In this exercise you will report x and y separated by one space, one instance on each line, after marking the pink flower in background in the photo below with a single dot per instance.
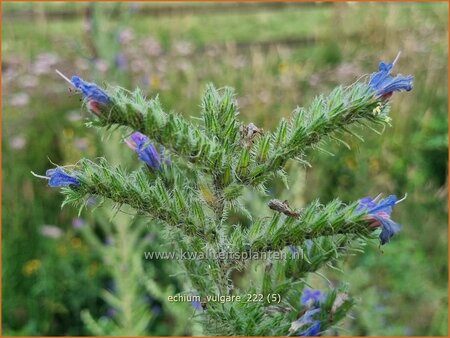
51 231
78 223
19 99
18 143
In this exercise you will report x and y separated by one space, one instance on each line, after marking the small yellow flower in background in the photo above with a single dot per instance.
55 307
374 165
351 163
92 269
283 67
155 82
76 243
68 133
62 250
31 267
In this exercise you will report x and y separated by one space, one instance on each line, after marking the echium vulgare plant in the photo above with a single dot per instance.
194 174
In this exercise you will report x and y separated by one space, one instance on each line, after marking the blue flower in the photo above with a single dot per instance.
384 84
146 151
59 178
310 297
90 91
156 309
78 223
307 320
312 331
111 312
197 305
380 213
121 61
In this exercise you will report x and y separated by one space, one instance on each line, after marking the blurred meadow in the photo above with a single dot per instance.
70 274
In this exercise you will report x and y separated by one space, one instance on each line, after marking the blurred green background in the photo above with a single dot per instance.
57 265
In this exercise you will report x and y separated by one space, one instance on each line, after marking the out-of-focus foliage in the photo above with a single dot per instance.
275 58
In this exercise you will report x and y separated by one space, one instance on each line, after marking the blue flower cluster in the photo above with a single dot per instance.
146 151
197 305
384 84
90 91
380 213
311 299
59 178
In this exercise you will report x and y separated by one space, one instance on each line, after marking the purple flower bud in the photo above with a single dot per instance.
146 151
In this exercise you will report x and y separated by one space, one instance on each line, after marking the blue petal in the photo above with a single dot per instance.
312 331
381 75
308 316
385 67
388 228
385 205
372 207
150 156
366 203
306 319
310 296
146 151
197 305
395 84
381 212
139 138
